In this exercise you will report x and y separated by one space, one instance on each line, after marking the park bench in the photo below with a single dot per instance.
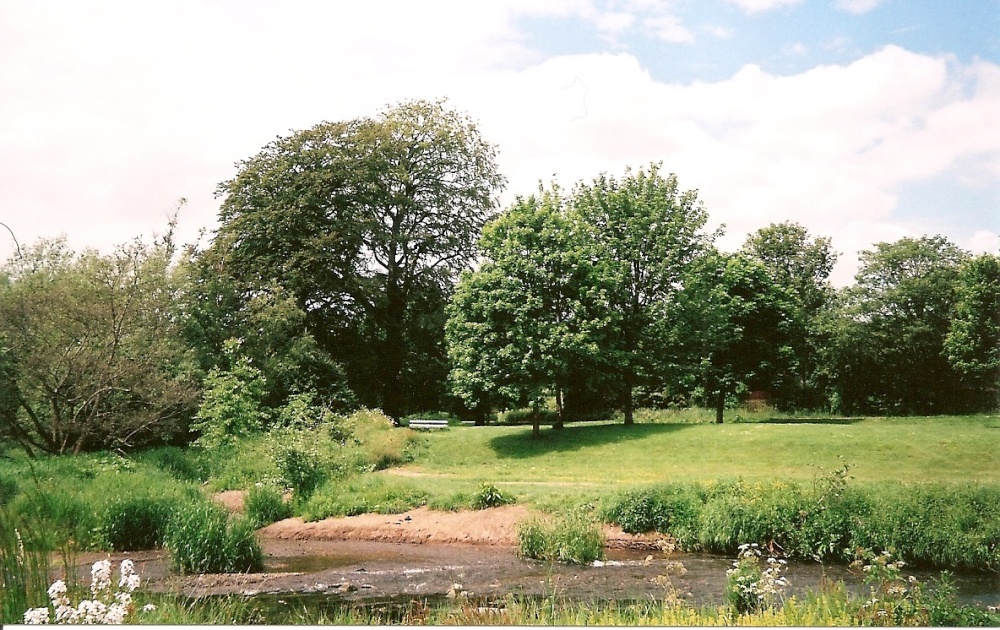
426 423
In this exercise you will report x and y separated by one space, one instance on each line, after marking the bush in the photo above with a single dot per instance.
264 505
576 537
489 496
300 466
202 539
136 522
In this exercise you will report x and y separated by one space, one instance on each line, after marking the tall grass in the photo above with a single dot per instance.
936 525
24 571
574 537
203 539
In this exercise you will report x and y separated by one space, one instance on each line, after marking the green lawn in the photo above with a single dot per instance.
593 459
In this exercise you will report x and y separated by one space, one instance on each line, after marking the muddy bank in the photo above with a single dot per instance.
429 554
492 527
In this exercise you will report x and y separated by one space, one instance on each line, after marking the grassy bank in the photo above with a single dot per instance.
930 483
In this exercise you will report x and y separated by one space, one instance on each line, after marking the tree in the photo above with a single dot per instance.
730 328
802 265
93 356
889 345
354 220
646 232
973 340
533 311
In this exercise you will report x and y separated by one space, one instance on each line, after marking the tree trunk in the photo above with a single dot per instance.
559 409
629 404
720 405
536 430
393 352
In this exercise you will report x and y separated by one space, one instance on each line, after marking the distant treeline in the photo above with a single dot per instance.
366 263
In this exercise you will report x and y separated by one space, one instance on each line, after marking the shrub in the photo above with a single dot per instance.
300 466
136 522
231 406
203 539
576 537
489 496
264 505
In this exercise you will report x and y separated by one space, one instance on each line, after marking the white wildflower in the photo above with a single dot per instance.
36 616
149 608
115 614
100 577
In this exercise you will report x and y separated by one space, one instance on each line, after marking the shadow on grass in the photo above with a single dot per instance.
811 421
574 437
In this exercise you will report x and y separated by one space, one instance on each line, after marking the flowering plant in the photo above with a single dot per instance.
751 588
104 607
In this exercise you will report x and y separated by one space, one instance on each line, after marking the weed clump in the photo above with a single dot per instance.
203 539
576 537
264 504
489 496
136 522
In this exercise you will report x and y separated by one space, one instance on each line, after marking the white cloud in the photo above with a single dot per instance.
111 112
668 28
858 7
722 32
760 6
984 242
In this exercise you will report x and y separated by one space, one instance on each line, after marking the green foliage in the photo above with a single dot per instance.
730 327
937 525
299 463
645 232
135 522
532 313
90 351
575 537
24 569
973 340
264 504
489 496
528 416
360 494
202 538
230 408
801 264
321 216
183 464
887 351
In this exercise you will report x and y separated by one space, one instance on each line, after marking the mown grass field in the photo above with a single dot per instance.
598 459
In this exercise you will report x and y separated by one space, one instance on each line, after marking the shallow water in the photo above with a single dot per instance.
351 571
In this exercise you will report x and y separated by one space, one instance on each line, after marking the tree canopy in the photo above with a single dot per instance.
645 232
534 310
360 221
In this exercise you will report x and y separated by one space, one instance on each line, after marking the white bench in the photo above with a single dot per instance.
424 423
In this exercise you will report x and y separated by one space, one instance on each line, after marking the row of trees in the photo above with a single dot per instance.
365 262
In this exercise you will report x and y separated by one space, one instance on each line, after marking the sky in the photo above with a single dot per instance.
863 120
